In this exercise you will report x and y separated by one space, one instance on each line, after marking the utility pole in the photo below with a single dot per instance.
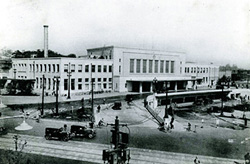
167 85
222 86
120 153
69 74
42 111
92 97
56 78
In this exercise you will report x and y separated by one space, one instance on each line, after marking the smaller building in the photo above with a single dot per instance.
5 66
206 74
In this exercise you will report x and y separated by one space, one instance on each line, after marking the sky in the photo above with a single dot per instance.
206 30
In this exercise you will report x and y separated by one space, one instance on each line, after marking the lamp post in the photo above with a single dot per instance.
14 73
69 74
167 85
222 87
42 95
155 81
57 80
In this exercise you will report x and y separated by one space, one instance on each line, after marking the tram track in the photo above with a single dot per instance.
92 152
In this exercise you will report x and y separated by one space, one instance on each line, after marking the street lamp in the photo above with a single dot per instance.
57 80
155 81
14 73
69 74
222 87
167 86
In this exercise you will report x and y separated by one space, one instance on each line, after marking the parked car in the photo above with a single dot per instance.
55 133
117 105
82 131
3 131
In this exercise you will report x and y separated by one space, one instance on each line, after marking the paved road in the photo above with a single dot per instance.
92 152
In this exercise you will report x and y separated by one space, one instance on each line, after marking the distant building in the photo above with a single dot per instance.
115 69
205 74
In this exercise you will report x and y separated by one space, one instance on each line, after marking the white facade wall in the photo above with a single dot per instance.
35 68
207 73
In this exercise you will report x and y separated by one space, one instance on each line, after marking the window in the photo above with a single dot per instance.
45 68
49 67
104 68
41 68
93 80
57 68
156 66
167 67
36 82
110 79
72 84
79 86
104 79
54 68
138 65
86 68
172 66
86 86
93 68
144 66
120 69
120 60
66 67
194 69
161 66
150 67
73 67
86 80
110 68
79 80
65 84
79 68
99 68
132 62
207 70
49 83
99 79
105 86
36 67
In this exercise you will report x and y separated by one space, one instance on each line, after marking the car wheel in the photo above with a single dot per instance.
90 136
65 138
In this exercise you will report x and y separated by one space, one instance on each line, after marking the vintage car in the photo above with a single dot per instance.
55 133
82 131
3 131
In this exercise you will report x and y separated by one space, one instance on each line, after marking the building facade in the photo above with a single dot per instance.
74 74
205 74
114 69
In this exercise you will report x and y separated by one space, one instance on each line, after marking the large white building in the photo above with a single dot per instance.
114 69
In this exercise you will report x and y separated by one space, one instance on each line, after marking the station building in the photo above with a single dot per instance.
116 69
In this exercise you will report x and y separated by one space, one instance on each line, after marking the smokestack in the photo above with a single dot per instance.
45 40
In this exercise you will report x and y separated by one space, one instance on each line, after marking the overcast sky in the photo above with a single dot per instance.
207 30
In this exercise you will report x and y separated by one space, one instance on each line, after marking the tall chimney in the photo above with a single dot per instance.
45 40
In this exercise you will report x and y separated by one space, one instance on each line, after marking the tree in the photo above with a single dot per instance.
5 53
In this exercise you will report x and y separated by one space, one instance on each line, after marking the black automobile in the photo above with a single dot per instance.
3 131
55 133
82 131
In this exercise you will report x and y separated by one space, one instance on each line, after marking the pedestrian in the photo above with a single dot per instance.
98 109
196 160
189 127
247 158
104 101
171 123
217 123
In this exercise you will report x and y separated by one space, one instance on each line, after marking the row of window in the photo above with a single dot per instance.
151 66
94 68
194 69
52 83
44 68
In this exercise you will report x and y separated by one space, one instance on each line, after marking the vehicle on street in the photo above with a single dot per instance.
82 131
3 131
56 133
